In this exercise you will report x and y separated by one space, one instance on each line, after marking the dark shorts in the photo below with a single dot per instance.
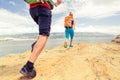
42 16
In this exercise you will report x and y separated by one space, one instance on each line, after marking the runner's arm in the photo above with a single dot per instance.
58 2
74 24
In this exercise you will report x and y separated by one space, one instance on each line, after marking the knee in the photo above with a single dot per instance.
44 32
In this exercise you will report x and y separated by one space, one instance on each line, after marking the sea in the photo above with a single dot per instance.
19 43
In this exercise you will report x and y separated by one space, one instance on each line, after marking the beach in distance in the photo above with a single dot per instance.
19 43
84 61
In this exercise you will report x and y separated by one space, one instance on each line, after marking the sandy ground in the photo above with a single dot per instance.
82 62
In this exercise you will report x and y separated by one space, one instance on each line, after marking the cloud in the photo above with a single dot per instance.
12 23
95 9
60 9
58 26
12 3
102 29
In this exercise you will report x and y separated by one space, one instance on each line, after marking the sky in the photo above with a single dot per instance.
90 15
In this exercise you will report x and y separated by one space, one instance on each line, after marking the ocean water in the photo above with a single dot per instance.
20 43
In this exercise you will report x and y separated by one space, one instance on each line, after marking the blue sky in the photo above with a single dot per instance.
90 15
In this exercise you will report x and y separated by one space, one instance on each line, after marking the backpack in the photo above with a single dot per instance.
69 21
50 2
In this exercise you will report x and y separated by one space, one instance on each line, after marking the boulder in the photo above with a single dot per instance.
117 39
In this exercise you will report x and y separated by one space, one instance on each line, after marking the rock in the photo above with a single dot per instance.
117 39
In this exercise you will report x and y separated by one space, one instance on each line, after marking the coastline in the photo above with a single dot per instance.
19 43
84 61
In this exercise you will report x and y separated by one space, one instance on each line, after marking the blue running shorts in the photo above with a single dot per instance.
69 32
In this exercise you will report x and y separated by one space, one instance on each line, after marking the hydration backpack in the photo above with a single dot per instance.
50 2
69 21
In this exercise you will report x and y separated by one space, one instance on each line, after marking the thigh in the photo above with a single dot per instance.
33 13
44 21
71 33
67 33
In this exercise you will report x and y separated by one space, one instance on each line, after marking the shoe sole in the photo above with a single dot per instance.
29 75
